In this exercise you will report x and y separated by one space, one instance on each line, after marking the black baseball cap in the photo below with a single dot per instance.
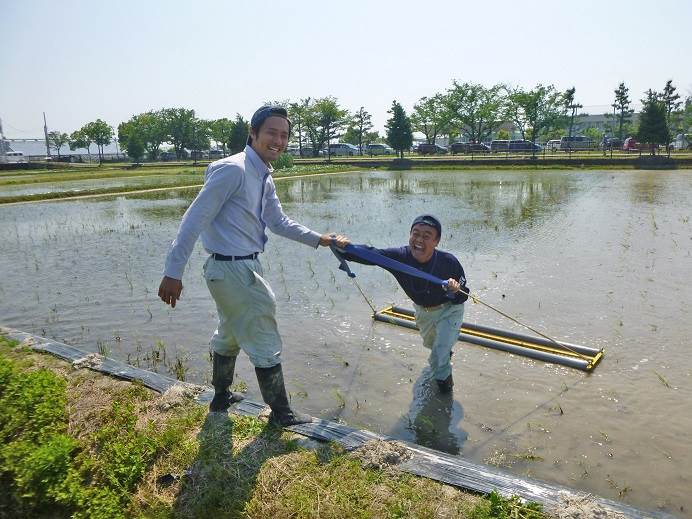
428 219
265 112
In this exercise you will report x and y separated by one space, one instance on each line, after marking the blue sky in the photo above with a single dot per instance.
79 61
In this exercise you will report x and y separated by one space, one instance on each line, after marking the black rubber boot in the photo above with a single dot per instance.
446 384
221 379
271 383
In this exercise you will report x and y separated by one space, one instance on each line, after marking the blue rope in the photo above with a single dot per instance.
366 254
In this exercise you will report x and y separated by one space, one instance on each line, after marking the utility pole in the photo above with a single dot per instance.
45 133
3 157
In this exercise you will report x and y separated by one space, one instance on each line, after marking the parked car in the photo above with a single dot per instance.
630 144
431 149
469 147
308 152
682 142
613 143
215 154
15 157
524 146
552 145
378 149
343 149
499 145
61 158
167 155
576 143
294 150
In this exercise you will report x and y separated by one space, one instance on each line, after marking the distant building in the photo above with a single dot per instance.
601 122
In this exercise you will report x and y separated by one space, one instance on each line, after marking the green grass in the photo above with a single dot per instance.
80 444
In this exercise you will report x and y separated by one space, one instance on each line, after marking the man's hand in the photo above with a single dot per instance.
170 290
453 286
327 239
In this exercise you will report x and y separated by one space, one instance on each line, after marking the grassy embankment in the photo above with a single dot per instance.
81 444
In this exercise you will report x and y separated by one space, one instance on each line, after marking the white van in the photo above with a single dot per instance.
682 142
576 142
552 145
15 157
343 149
378 149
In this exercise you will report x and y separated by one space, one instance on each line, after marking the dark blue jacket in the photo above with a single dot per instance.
424 293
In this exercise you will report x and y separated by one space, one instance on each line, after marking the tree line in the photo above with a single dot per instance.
468 111
476 113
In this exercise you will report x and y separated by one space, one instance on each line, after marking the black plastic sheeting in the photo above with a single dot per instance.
425 462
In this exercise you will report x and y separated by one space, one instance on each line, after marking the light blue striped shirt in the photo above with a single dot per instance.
231 211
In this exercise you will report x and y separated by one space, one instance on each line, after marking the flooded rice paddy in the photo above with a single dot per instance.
133 183
600 258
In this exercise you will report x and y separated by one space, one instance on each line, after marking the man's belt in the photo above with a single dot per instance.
221 257
431 308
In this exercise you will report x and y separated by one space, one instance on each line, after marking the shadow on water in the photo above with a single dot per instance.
433 418
221 479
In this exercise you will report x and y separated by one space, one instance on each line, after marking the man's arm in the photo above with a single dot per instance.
218 186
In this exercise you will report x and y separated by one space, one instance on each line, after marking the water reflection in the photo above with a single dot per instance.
512 200
433 417
647 190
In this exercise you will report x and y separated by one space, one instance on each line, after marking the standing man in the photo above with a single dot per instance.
438 316
231 212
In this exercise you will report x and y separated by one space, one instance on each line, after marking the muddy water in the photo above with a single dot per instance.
601 258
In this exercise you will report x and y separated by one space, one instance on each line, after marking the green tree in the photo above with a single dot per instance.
371 137
200 138
430 117
594 134
220 131
503 134
127 131
671 101
475 110
537 111
239 134
57 140
361 124
298 112
135 148
571 107
399 132
152 130
78 140
100 133
324 121
180 126
621 108
653 126
687 116
149 128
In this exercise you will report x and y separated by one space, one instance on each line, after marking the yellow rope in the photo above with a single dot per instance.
477 299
